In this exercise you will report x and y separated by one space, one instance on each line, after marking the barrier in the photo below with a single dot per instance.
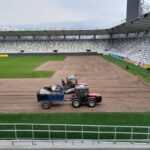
102 133
127 59
54 54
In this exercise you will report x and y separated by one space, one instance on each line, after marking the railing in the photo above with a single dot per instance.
74 132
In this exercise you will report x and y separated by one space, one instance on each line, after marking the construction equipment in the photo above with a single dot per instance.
71 83
83 96
55 94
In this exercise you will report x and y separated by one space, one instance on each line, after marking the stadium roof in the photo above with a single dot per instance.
135 26
53 32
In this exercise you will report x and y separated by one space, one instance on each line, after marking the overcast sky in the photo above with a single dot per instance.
63 13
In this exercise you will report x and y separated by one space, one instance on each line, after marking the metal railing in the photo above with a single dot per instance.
102 133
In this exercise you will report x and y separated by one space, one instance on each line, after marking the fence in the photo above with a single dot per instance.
74 132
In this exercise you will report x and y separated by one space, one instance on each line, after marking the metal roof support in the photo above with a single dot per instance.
94 36
19 37
49 37
64 37
34 37
149 32
110 36
146 33
4 37
137 34
127 35
79 36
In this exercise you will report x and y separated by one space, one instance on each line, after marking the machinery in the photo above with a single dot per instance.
71 83
55 95
50 95
83 96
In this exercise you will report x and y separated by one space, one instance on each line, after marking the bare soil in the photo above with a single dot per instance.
121 91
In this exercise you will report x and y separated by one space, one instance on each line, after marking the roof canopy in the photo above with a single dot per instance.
53 33
135 26
138 25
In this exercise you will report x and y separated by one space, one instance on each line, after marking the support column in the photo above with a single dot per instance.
79 36
49 37
19 37
34 37
110 36
146 33
4 37
127 34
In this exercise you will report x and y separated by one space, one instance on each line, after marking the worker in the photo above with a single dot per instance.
63 82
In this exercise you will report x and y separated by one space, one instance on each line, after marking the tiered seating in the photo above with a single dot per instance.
50 46
135 49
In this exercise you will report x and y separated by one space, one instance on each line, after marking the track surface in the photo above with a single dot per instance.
121 91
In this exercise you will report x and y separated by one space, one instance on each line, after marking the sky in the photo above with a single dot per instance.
62 13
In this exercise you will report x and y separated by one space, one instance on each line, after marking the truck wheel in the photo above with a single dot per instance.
91 103
45 105
76 103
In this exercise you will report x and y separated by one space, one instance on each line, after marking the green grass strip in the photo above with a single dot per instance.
140 72
133 119
24 66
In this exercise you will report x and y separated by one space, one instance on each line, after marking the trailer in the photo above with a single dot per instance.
50 95
55 95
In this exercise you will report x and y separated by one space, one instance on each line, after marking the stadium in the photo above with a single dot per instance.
114 62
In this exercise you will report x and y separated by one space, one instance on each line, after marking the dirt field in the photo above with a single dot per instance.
121 91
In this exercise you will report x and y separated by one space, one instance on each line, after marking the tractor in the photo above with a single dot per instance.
83 96
70 84
55 95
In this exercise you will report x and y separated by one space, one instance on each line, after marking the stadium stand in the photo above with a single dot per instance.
137 49
73 46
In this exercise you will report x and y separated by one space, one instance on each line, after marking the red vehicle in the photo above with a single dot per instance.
71 83
83 96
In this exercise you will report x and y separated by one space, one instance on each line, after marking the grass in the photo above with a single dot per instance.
130 119
133 119
23 66
141 73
